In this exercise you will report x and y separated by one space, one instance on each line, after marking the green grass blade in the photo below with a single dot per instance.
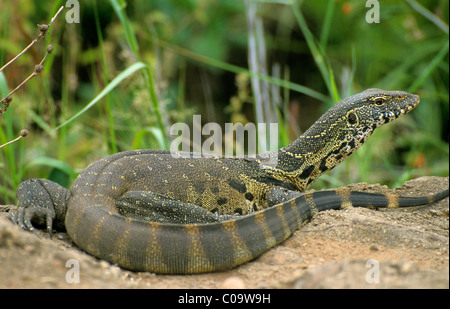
428 15
40 122
315 49
239 70
429 69
112 145
326 24
155 132
116 81
118 6
3 85
128 29
352 73
288 2
46 161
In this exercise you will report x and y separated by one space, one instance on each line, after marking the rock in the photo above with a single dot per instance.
233 282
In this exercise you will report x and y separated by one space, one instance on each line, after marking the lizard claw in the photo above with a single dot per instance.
23 216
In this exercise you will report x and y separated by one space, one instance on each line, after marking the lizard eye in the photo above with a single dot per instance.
379 101
352 118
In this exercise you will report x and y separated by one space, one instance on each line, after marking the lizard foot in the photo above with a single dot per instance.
23 215
40 202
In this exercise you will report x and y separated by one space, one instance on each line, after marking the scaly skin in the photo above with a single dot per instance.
151 210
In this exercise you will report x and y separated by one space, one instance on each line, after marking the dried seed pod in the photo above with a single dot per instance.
38 68
43 28
24 133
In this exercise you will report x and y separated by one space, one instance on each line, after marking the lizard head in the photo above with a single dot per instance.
356 118
373 108
340 132
350 122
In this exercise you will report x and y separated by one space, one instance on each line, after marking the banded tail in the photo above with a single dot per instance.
197 248
341 198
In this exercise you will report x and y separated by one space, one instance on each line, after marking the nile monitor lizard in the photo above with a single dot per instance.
152 210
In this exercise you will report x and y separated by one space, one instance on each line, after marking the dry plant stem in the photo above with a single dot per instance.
43 30
23 133
37 69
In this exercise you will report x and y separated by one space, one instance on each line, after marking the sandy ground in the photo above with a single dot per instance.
351 248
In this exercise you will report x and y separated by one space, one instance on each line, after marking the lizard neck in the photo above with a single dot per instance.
328 142
312 150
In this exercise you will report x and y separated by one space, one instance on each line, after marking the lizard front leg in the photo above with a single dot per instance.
152 207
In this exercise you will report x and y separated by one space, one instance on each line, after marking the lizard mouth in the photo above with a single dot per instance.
389 116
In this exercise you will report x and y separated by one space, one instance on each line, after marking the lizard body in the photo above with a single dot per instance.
174 213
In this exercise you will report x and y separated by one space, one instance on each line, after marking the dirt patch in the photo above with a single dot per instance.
351 248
